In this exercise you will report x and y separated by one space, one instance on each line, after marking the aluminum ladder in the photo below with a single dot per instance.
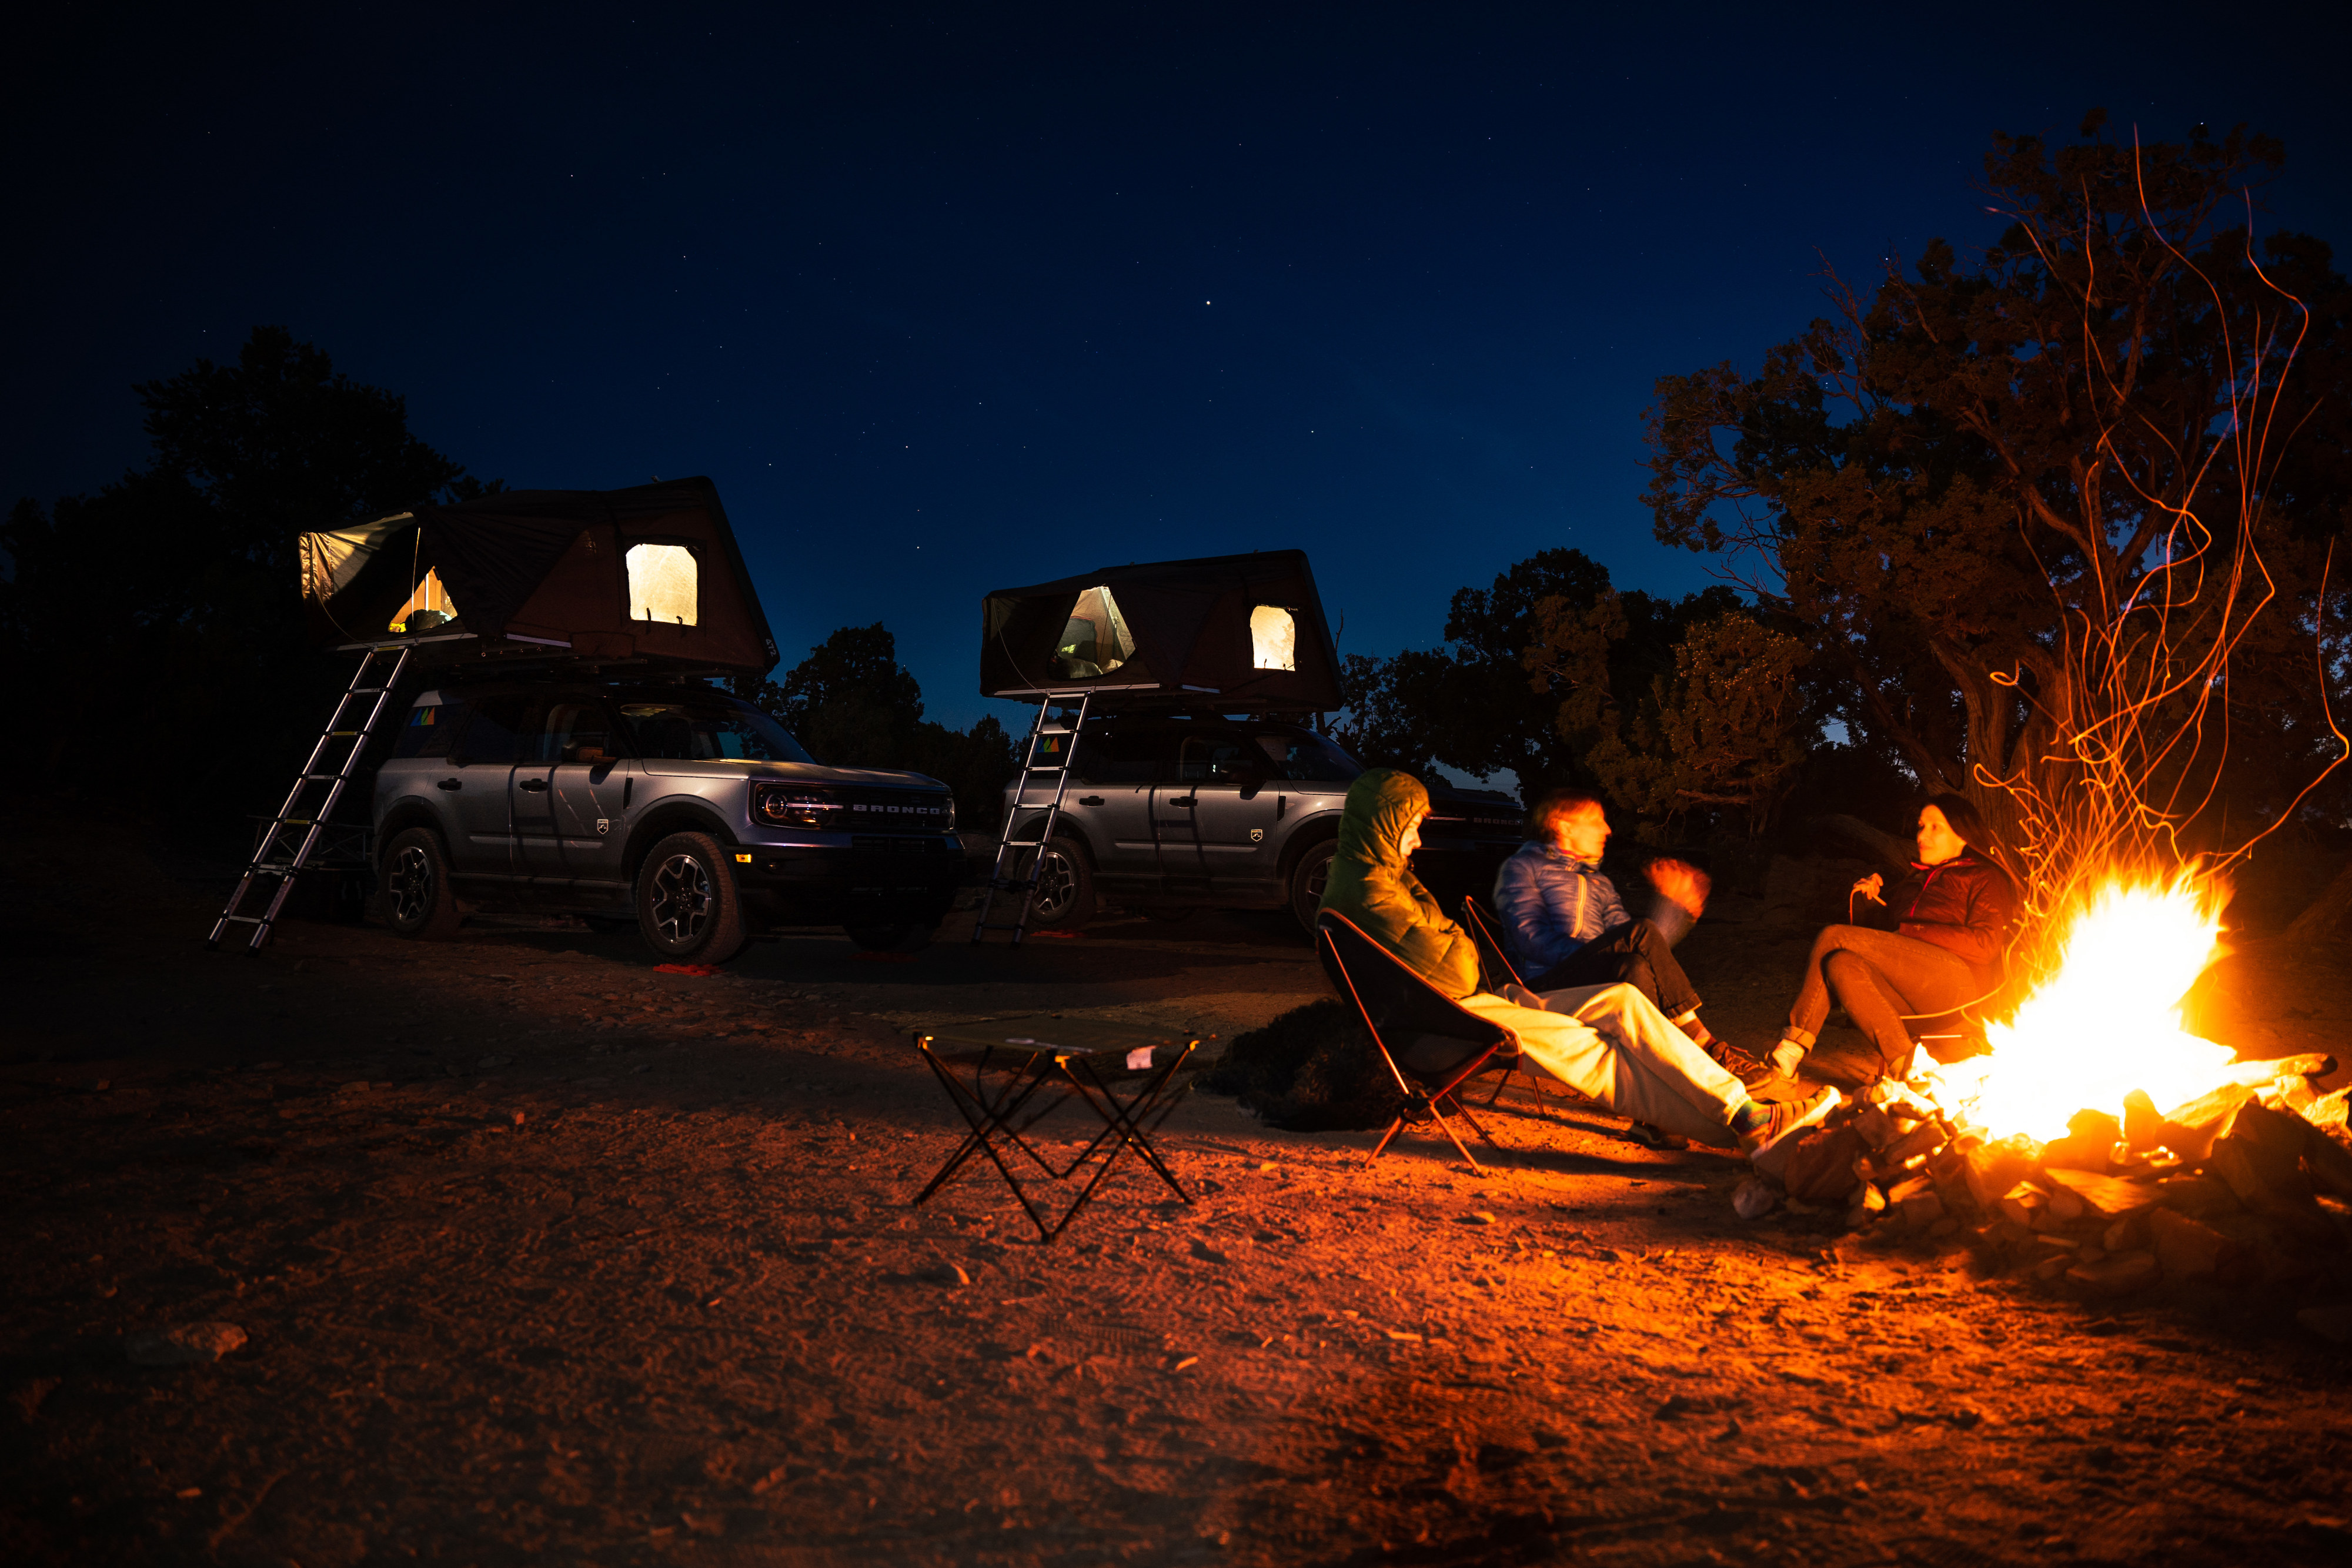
292 836
1052 740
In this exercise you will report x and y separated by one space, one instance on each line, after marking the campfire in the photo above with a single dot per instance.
2098 1143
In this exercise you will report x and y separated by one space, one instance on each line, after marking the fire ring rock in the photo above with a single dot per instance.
184 1344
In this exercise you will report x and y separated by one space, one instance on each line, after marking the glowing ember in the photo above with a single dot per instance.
2108 1023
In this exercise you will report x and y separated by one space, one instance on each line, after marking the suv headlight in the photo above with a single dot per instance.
796 806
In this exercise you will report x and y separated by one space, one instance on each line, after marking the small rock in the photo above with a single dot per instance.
1482 1218
518 1118
952 1273
184 1344
1754 1198
102 1086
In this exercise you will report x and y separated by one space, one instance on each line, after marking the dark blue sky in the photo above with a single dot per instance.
948 299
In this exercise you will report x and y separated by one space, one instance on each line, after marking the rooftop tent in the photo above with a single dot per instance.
646 576
1247 629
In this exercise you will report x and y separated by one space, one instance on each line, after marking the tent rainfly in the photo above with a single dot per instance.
1234 632
647 576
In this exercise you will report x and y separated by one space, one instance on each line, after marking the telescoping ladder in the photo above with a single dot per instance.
293 835
1052 741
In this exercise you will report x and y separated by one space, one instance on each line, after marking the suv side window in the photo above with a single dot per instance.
1121 757
1308 759
1218 756
572 732
430 728
490 735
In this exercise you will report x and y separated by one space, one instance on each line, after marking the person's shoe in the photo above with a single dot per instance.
1788 1117
1651 1137
1787 1057
1734 1060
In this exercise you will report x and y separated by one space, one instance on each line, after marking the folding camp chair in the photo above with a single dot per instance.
1432 1045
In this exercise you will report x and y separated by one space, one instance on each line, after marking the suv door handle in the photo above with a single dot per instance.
536 786
1180 801
449 783
1089 799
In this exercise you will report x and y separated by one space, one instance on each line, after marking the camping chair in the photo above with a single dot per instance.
1432 1045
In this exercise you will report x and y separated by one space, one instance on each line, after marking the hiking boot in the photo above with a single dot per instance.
1734 1060
1788 1117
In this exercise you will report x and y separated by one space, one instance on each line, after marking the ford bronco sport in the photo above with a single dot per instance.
676 808
1167 814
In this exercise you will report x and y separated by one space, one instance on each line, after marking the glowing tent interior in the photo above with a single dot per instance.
1240 631
647 577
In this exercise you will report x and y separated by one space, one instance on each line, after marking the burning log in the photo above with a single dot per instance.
2221 1187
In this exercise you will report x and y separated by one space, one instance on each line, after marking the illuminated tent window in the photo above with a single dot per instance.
663 584
1274 638
426 607
1096 641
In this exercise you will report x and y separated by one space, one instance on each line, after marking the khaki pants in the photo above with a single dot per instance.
1612 1045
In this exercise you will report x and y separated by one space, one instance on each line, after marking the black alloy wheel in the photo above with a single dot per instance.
1308 879
687 903
418 902
1064 898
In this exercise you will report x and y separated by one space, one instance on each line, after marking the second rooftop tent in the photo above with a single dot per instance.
1246 630
648 576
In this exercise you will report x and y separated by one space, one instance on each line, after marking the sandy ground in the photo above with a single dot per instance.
543 1256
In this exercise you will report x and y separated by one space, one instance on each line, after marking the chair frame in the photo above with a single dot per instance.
1495 962
1412 1084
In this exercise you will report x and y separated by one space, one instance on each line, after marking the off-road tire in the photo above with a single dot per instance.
1064 898
906 937
688 908
418 902
1306 880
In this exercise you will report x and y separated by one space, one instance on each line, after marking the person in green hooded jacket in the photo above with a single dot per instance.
1608 1042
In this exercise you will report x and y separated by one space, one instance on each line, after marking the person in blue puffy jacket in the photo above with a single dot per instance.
1566 926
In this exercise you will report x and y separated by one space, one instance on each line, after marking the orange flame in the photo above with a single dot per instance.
2108 1022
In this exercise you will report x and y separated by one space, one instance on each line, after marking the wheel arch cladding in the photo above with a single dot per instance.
660 824
404 816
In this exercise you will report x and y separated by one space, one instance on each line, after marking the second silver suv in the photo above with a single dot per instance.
1167 814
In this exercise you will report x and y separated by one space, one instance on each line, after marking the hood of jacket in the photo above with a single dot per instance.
1371 882
1381 804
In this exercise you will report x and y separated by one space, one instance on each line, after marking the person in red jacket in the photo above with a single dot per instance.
1951 919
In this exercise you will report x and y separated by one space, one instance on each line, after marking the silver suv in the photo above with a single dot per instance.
1168 814
675 808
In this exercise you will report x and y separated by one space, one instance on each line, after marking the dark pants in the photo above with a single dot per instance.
1637 953
1878 978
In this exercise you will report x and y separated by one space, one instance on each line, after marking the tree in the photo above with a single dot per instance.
1721 732
2056 519
165 606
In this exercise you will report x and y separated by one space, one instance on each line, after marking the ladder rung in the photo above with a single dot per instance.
326 776
341 734
244 920
366 691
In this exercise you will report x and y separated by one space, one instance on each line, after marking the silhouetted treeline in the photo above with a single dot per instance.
151 636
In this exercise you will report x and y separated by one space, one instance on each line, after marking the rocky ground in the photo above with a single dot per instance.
541 1255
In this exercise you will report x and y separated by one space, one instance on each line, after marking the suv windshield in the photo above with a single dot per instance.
1307 758
703 730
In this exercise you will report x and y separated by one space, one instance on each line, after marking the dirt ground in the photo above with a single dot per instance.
543 1256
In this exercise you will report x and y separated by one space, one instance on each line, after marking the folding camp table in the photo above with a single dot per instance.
1006 1075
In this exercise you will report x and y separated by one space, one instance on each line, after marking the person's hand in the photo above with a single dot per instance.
1684 883
1869 887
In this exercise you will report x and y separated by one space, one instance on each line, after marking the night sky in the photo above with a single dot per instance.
948 299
